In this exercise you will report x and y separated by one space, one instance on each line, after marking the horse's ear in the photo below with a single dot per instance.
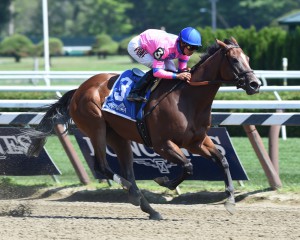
221 44
233 40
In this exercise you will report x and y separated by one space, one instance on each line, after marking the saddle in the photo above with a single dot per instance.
117 103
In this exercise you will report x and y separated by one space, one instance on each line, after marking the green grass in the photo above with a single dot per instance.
288 163
289 170
87 63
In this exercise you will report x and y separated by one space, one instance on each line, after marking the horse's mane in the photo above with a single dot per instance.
209 52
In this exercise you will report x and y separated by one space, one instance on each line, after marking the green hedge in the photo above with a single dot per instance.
265 47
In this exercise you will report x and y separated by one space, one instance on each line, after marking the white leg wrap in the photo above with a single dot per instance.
117 179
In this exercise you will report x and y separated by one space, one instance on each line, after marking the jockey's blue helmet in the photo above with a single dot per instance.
190 36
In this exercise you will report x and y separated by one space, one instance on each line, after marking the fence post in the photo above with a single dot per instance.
69 149
263 156
274 146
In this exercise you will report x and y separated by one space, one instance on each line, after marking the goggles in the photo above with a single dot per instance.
192 47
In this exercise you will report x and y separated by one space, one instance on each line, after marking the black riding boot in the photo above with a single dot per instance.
137 93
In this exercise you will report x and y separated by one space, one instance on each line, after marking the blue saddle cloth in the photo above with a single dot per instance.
116 101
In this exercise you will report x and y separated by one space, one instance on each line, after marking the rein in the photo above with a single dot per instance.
203 83
162 98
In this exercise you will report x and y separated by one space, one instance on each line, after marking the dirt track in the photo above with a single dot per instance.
87 215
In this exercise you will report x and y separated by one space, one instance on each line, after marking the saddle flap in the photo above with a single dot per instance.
116 102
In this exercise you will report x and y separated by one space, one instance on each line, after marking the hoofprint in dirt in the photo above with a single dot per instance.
266 215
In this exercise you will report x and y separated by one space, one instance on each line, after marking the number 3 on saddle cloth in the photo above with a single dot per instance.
117 103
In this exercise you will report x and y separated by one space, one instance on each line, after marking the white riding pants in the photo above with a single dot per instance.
142 56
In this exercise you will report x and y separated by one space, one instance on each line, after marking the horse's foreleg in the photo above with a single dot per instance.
173 153
145 206
230 203
209 151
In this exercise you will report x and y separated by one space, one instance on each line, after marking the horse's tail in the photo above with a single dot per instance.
57 112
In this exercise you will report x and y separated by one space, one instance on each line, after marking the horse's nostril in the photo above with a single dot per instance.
254 85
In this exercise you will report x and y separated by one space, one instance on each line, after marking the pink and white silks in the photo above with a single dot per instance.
157 49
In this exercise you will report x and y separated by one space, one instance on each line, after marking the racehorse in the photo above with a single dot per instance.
177 115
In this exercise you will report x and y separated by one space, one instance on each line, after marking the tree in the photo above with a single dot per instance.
172 15
105 45
83 18
4 13
122 18
176 14
59 18
123 44
107 16
258 13
17 46
55 47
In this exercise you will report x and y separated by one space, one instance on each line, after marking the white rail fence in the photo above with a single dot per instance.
217 104
65 88
83 75
218 118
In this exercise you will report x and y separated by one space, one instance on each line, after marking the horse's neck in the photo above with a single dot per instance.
194 102
209 70
202 96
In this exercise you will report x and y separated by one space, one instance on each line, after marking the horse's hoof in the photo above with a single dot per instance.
230 207
155 216
161 180
164 182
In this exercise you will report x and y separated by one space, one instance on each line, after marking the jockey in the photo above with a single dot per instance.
157 49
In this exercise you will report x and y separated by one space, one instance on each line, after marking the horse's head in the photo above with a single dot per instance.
236 67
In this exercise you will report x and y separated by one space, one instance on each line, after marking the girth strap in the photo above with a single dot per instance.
143 131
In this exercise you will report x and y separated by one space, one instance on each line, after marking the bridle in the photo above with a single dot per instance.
239 77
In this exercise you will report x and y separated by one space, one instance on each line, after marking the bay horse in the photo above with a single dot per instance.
178 115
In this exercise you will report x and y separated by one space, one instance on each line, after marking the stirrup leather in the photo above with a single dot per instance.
134 97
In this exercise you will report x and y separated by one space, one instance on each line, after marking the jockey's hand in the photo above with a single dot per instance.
184 76
186 70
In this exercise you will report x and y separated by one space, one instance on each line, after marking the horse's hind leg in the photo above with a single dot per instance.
124 154
209 151
173 153
122 148
98 140
88 118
